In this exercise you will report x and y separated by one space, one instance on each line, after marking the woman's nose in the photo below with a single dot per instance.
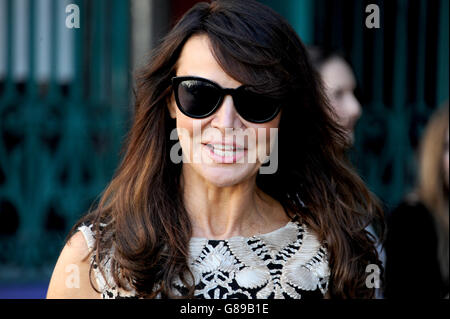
355 107
226 115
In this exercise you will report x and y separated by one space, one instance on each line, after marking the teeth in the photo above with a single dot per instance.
224 150
224 147
224 153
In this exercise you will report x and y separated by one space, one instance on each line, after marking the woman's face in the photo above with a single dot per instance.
220 148
339 86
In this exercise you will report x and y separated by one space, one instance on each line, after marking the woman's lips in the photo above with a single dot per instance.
225 153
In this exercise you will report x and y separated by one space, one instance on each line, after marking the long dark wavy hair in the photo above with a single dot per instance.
141 214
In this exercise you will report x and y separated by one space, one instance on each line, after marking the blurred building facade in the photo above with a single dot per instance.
66 101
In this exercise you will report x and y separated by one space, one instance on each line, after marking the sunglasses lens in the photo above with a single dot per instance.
197 98
255 107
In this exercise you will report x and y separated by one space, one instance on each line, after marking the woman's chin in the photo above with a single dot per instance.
226 174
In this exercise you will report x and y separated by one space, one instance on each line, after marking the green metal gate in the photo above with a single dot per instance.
401 69
61 128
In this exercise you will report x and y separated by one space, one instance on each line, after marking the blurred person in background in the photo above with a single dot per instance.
417 264
339 84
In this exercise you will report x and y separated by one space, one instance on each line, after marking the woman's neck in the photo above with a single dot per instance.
224 212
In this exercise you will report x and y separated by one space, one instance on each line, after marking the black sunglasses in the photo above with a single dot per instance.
199 98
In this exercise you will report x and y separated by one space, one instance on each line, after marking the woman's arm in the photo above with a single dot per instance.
70 278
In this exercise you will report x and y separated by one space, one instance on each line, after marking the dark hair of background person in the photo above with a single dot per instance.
141 212
318 56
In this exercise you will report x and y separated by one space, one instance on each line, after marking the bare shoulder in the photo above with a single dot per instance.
70 278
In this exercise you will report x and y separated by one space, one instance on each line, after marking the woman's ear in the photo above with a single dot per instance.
170 101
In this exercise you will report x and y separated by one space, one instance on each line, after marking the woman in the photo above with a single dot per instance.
417 237
340 85
212 225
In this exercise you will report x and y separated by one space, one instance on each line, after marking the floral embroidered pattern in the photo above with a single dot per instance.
286 263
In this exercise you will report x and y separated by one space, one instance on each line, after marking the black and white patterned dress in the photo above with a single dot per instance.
286 263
